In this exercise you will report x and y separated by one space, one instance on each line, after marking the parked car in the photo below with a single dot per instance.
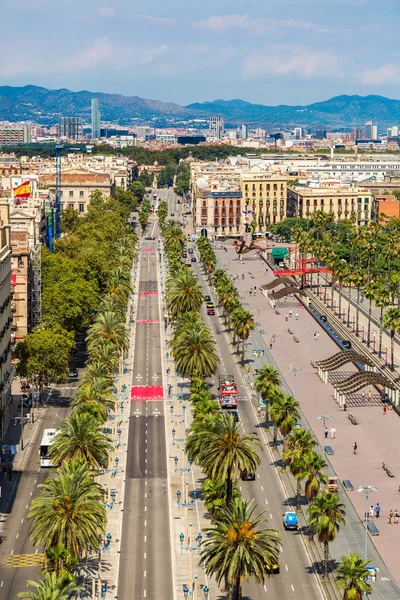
323 318
190 250
207 298
347 344
290 520
247 475
272 569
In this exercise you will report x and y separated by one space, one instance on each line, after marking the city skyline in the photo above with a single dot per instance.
287 52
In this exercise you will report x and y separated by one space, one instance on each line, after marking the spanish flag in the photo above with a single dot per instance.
23 190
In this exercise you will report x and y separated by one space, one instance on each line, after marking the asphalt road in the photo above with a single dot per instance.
145 565
296 578
17 528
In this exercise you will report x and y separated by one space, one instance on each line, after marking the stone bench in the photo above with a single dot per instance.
328 450
372 528
348 486
352 419
296 339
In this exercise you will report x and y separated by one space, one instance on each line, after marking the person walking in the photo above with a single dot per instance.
355 446
326 432
377 510
297 316
286 317
371 512
290 313
369 396
332 432
396 517
390 516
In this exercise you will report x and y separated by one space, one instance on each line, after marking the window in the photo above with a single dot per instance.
81 193
71 205
81 208
71 193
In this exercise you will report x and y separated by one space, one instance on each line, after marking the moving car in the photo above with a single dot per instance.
211 311
172 214
347 344
190 250
290 520
207 298
149 237
272 569
193 259
247 475
73 373
210 304
323 318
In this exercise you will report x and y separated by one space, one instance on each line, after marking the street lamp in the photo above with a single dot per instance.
324 418
294 370
366 489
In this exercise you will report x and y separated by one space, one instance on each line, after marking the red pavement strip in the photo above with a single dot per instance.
147 293
147 321
148 249
142 393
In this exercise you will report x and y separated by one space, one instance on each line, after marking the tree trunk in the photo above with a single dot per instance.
380 332
237 590
326 559
357 309
229 487
298 494
369 322
266 414
348 306
275 435
392 349
340 299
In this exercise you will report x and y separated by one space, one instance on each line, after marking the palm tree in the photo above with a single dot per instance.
52 588
97 370
243 323
108 328
237 547
119 283
95 397
204 408
391 321
68 511
313 473
284 412
195 352
80 437
60 561
223 450
106 353
183 293
214 492
299 443
326 515
268 378
351 576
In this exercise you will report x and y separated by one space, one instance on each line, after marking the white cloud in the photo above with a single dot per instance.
381 75
100 50
258 26
152 53
290 60
107 11
159 20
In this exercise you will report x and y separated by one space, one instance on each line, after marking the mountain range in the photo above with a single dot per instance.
40 105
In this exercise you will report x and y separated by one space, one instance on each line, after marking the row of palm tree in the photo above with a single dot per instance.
68 514
144 213
364 258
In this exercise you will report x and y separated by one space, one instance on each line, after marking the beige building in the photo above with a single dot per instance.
343 201
219 211
264 197
77 186
6 300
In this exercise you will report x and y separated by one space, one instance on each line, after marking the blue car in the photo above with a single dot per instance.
290 520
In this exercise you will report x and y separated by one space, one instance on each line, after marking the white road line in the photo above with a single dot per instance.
286 567
270 515
291 585
17 536
265 588
258 476
262 488
144 574
266 501
37 550
12 551
22 520
145 508
145 495
31 493
145 538
145 556
144 593
34 481
1 584
26 507
145 523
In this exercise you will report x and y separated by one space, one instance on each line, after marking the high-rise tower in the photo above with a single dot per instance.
95 119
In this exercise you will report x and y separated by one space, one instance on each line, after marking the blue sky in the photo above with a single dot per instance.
270 52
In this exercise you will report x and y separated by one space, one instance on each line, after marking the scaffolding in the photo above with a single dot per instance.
36 286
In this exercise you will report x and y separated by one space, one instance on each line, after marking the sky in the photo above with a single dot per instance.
264 51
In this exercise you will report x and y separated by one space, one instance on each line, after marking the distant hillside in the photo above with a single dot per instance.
45 106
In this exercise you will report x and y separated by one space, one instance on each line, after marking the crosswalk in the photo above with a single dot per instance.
17 561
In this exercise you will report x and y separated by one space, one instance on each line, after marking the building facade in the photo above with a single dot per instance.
70 127
216 127
77 186
264 198
344 202
18 135
219 213
95 119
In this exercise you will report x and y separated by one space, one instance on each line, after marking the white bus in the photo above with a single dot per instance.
47 440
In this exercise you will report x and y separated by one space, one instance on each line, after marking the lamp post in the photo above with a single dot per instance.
324 418
294 370
366 489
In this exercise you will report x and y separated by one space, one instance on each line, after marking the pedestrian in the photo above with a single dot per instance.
355 446
390 516
326 432
290 313
377 510
396 517
297 316
255 288
384 409
332 432
363 395
371 512
286 317
369 396
250 292
315 335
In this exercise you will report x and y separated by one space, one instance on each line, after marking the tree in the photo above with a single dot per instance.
45 353
68 511
391 321
214 492
146 178
60 561
224 449
243 323
138 189
313 466
183 293
268 378
298 444
194 352
69 220
326 514
51 587
238 547
107 328
351 576
81 437
284 411
127 199
95 397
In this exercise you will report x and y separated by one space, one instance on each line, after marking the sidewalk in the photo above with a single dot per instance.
377 439
188 511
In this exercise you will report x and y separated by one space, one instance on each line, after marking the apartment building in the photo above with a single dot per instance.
264 198
6 295
219 211
343 201
77 186
16 135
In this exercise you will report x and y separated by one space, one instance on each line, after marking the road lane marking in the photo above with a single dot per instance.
258 476
26 507
17 536
145 538
286 567
145 508
145 523
12 551
144 593
291 585
22 520
144 574
262 488
265 587
145 556
270 515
